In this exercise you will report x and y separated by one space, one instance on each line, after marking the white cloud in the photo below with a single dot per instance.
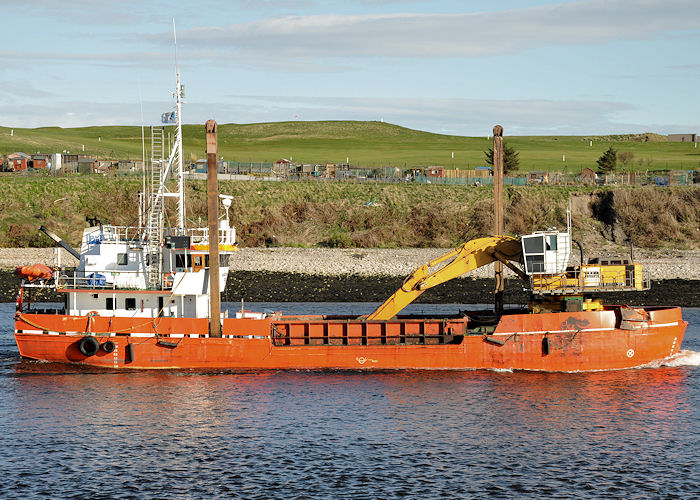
449 35
11 90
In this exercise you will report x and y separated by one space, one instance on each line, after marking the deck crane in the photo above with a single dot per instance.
540 259
465 258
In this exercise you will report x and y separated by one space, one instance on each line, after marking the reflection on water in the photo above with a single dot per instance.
83 432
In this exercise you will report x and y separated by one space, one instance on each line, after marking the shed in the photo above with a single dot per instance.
538 177
39 161
434 171
19 161
282 167
70 163
683 138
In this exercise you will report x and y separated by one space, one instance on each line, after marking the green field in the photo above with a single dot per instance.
366 144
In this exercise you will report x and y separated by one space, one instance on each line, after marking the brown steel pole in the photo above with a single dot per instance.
498 211
213 214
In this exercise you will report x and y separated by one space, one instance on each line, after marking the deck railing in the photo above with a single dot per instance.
583 281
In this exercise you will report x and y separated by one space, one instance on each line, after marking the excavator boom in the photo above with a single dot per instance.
465 258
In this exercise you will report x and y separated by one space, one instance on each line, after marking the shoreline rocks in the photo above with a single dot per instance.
372 275
660 264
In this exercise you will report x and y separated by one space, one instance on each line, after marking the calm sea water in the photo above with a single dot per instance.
69 432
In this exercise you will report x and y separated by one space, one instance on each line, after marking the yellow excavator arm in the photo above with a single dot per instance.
465 258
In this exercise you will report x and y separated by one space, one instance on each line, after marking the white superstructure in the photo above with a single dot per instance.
149 271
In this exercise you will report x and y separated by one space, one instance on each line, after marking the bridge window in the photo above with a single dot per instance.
122 259
130 303
180 260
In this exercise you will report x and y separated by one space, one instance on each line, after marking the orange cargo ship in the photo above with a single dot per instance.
148 298
112 317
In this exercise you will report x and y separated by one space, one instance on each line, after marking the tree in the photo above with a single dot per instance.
510 159
626 158
608 161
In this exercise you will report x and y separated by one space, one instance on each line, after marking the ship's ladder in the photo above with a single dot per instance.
155 214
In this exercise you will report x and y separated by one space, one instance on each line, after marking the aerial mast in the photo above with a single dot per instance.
179 170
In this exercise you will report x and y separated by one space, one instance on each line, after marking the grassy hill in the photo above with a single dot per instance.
368 144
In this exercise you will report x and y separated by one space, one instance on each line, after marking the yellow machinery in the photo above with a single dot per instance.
543 255
465 258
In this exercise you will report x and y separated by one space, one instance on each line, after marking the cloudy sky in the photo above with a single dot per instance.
449 66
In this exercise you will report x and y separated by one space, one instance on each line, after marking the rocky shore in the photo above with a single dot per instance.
371 275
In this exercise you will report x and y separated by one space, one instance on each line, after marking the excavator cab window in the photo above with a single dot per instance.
533 247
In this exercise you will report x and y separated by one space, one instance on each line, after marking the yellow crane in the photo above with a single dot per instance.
465 258
543 257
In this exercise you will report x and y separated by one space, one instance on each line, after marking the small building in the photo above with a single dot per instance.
70 163
19 161
683 138
282 167
538 177
39 161
86 164
434 171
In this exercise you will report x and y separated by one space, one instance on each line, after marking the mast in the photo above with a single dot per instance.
213 218
498 212
161 169
177 150
142 195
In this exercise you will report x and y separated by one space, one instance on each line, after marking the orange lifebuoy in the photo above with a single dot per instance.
169 279
92 313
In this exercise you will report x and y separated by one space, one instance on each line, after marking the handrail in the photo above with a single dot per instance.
110 233
579 281
97 280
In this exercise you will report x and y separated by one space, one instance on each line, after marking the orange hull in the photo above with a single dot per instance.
575 341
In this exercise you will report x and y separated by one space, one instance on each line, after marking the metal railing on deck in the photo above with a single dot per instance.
97 280
584 281
110 233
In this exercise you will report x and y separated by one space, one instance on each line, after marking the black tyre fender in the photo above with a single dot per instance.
108 346
88 346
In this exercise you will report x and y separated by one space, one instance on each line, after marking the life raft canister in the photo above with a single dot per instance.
35 272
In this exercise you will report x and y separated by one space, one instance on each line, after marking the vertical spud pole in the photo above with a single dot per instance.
498 211
213 216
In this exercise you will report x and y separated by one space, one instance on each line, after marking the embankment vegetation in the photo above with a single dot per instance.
363 215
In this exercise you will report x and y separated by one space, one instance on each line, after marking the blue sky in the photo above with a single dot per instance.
456 67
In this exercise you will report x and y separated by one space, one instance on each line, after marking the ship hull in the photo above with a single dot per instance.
577 341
